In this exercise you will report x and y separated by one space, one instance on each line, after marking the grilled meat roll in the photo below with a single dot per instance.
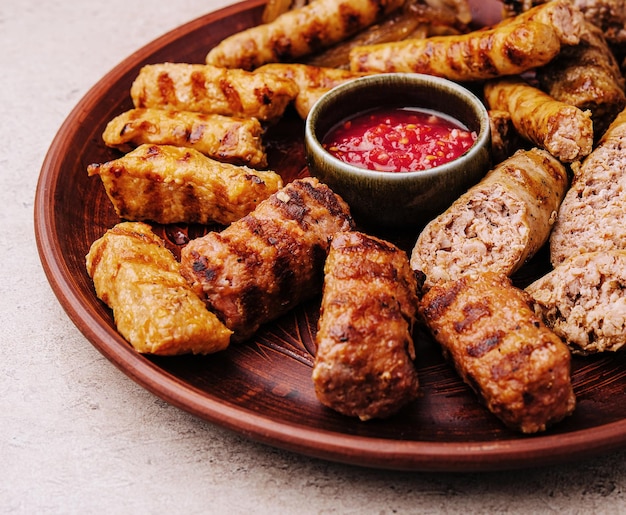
583 300
587 76
562 129
512 47
299 32
168 184
153 306
212 90
517 366
505 140
498 224
364 360
608 15
269 261
224 138
312 81
592 216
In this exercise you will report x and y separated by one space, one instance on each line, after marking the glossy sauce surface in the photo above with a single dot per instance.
398 139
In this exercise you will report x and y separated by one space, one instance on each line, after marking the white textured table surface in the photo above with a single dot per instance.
78 436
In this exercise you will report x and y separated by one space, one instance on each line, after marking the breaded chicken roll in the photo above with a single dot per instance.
583 300
263 265
153 306
592 216
562 129
517 366
224 138
213 90
168 184
364 360
299 32
498 224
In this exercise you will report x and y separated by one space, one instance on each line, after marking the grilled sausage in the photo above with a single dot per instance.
169 184
224 138
562 129
583 300
498 224
212 90
312 81
501 349
587 76
263 265
512 47
364 360
153 306
591 217
299 32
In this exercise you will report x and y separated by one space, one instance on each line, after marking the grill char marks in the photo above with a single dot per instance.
516 365
266 263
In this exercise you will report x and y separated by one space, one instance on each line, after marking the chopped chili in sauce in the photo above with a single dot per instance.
398 139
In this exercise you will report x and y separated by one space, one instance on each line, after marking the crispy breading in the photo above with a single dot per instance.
224 138
211 89
168 184
154 308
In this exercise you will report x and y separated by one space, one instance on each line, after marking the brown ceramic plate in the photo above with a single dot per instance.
262 389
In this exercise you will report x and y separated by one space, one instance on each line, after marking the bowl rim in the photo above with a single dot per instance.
483 138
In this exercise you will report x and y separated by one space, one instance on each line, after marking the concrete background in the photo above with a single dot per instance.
78 436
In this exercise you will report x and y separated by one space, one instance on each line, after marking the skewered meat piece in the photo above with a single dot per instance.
153 306
364 360
263 265
583 300
501 349
299 32
498 224
592 216
587 76
168 184
224 138
212 90
562 129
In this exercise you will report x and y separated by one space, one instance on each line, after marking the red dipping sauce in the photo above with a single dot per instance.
398 139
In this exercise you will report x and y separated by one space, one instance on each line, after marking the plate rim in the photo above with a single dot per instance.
380 453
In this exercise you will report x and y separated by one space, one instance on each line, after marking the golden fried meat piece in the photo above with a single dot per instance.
212 90
517 366
153 306
364 360
225 138
562 129
168 184
271 260
299 32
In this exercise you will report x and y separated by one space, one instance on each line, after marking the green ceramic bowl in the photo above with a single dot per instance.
398 198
